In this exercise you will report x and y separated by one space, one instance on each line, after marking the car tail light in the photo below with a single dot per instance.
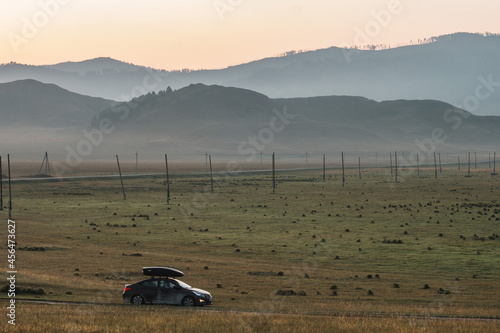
126 289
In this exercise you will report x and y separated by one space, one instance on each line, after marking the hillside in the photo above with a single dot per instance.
215 118
29 102
35 117
231 121
446 68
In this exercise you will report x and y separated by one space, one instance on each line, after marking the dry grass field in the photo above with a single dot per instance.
420 255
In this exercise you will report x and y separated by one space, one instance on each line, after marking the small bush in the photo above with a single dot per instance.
442 291
32 248
20 290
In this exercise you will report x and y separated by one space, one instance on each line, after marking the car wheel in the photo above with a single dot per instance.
188 301
137 300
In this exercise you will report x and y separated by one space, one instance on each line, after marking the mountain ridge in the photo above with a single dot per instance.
449 68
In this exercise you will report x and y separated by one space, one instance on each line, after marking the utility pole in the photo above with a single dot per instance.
390 157
10 187
47 166
324 167
359 167
435 167
396 164
418 167
211 174
440 168
136 162
1 185
45 162
343 170
121 179
168 180
274 173
468 172
494 164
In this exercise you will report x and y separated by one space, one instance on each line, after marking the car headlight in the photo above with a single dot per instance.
199 294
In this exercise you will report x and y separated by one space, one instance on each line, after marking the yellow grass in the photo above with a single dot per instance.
241 235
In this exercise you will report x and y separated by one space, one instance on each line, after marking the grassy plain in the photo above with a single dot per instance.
354 258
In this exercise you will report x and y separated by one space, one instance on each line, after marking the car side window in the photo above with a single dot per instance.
166 284
150 284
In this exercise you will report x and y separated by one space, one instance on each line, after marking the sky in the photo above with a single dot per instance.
206 34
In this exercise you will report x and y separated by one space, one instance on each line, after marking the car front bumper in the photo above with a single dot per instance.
204 301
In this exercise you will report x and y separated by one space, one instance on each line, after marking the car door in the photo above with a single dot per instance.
149 290
166 292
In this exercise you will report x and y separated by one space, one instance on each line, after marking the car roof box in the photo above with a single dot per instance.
162 271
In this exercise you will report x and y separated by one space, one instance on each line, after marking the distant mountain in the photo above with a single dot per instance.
452 68
213 118
29 102
103 66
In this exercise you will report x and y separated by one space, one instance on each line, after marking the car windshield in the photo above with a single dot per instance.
183 285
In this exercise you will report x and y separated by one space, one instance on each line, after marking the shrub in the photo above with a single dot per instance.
443 291
20 290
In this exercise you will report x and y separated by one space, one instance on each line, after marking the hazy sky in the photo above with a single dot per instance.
175 34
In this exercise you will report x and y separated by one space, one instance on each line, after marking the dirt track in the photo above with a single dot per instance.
342 314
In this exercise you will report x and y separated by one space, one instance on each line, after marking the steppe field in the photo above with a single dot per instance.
418 255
